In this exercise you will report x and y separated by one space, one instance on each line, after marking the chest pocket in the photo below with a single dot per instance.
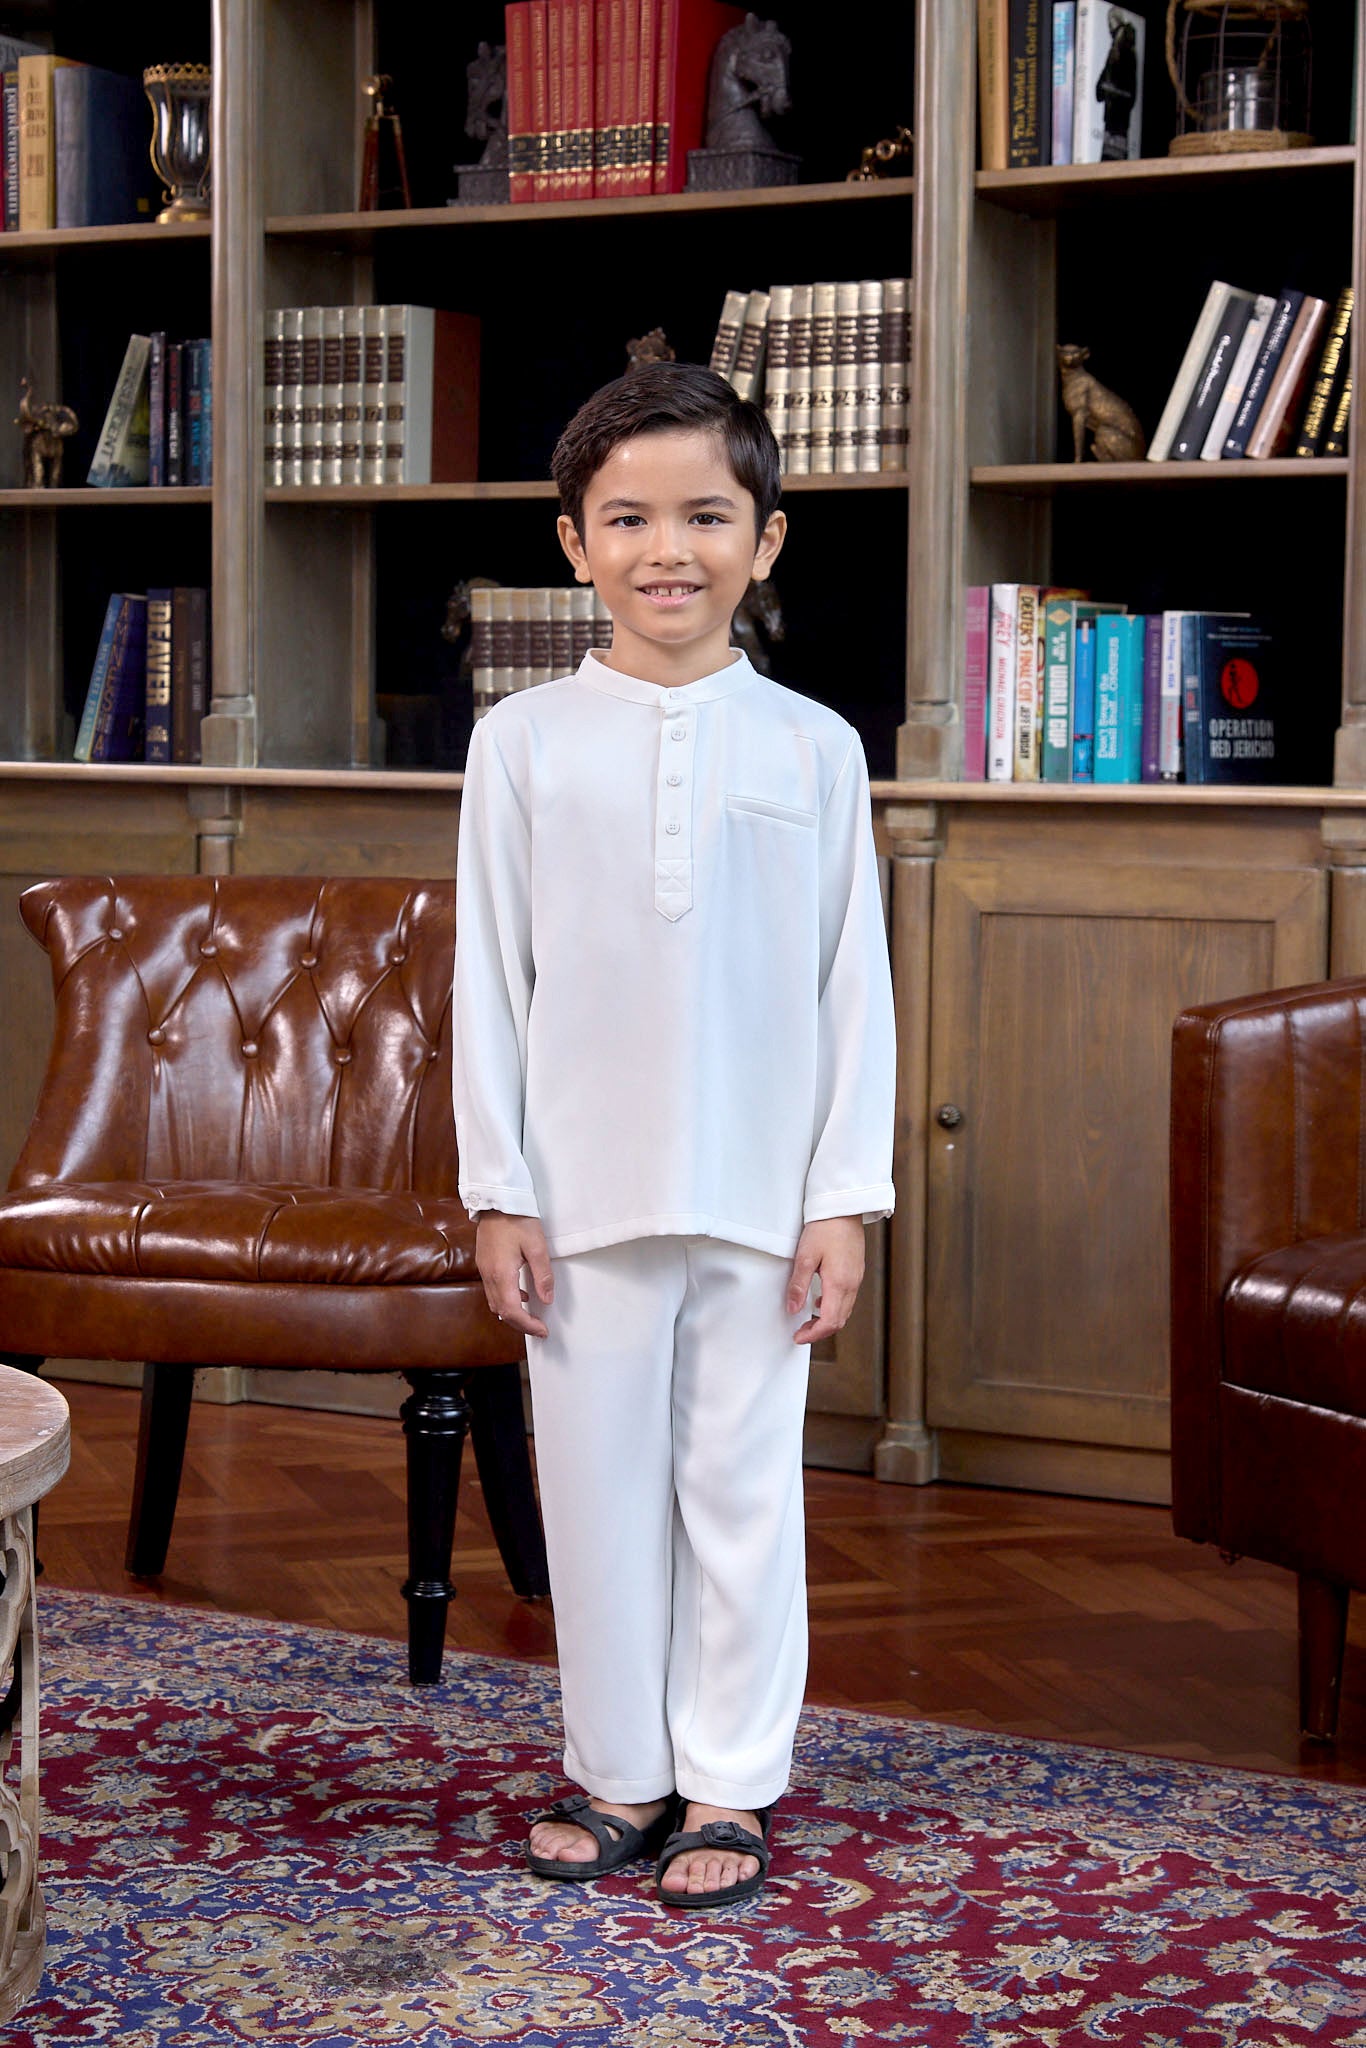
764 807
792 797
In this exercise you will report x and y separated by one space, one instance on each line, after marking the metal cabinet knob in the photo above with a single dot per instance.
949 1115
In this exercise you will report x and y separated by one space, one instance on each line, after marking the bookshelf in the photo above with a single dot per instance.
1043 937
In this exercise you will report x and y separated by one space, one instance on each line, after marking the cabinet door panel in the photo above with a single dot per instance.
1055 992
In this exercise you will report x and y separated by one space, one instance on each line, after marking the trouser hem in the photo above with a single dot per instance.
727 1792
630 1791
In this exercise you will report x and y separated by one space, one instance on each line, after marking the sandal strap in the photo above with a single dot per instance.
716 1834
609 1830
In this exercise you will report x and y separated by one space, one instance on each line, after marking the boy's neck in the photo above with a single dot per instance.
673 668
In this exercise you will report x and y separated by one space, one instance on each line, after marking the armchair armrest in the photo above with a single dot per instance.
1268 1117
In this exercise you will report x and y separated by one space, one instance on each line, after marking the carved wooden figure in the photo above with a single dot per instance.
1116 435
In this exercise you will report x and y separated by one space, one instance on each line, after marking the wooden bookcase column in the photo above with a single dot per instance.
1349 767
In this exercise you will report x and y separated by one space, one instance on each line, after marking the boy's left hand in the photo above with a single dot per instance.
834 1249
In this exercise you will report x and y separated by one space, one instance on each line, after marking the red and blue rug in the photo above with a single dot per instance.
260 1834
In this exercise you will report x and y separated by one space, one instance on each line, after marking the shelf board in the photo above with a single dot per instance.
90 496
1055 188
363 227
1042 479
435 494
127 234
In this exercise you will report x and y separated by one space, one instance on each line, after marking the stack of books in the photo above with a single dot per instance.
830 364
1059 688
606 97
73 143
158 428
1060 83
149 686
370 395
1261 377
522 637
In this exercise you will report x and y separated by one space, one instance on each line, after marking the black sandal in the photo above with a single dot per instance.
717 1834
619 1841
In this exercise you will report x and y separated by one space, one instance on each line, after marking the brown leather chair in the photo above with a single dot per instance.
244 1154
1268 1240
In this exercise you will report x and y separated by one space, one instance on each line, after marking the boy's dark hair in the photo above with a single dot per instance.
655 398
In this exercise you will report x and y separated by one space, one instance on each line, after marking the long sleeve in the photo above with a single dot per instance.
494 977
851 1160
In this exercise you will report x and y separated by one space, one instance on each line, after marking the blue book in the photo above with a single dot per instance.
206 411
1235 701
99 674
1084 701
193 373
102 125
1119 697
1263 370
119 722
1064 77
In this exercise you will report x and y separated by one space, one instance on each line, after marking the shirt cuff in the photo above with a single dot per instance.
871 1203
511 1201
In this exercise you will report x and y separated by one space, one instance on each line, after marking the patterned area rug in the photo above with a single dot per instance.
260 1834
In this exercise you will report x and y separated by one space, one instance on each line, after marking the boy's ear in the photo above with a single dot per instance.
573 547
770 546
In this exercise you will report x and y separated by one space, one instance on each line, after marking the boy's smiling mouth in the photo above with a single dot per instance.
669 593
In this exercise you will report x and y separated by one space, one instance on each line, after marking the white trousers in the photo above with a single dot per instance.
668 1402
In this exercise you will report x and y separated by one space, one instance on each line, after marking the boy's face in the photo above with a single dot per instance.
668 539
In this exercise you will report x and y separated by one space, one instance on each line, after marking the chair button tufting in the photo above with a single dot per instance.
208 949
114 932
432 1053
308 960
343 1056
249 1048
156 1036
397 959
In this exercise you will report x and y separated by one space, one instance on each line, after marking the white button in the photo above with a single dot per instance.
676 732
673 826
674 781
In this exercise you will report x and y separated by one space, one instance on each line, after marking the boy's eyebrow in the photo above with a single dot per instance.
690 504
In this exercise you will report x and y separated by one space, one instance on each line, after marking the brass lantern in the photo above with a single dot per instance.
1242 72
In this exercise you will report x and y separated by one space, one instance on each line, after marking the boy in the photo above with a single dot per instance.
674 1099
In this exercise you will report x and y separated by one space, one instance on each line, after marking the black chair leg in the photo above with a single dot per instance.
498 1433
1323 1605
24 1361
162 1426
436 1420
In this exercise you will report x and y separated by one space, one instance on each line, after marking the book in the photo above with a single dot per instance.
798 449
778 366
311 397
1335 441
1025 146
610 173
1286 392
205 352
189 670
85 735
1332 361
1055 751
1119 697
562 661
431 395
1084 697
1169 707
332 435
1236 384
868 427
373 363
976 667
1005 627
1192 362
37 142
1107 106
846 379
481 649
9 102
353 393
1151 700
291 407
1234 700
727 341
689 31
647 87
1264 368
578 57
501 632
103 173
821 411
557 118
896 371
630 99
1025 746
584 606
1189 437
175 412
1064 79
993 83
156 408
196 392
120 456
746 374
540 110
115 728
156 729
521 135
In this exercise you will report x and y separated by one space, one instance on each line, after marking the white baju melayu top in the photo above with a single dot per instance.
673 1001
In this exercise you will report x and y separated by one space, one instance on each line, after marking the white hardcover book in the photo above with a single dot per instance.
504 674
115 455
374 343
822 409
1239 371
272 397
778 365
410 343
846 378
896 369
797 454
311 397
1027 662
292 395
1169 699
602 621
562 660
1064 78
334 398
727 342
1005 633
1192 362
521 639
1107 102
583 610
747 373
481 649
540 612
868 430
353 392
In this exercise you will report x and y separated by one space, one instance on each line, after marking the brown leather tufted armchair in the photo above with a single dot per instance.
1268 1239
244 1154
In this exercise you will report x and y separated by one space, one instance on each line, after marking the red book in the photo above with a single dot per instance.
455 398
521 146
540 101
557 119
647 68
689 33
583 11
610 157
630 99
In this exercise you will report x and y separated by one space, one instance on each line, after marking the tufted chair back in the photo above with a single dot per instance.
273 1029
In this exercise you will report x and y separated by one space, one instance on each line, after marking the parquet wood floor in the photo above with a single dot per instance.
1084 1621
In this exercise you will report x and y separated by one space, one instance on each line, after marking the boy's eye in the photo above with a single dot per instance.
628 519
709 518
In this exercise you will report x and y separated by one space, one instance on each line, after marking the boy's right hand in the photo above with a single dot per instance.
503 1245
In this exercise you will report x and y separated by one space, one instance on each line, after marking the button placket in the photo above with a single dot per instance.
673 808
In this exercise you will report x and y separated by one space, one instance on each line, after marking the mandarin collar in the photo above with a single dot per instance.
736 675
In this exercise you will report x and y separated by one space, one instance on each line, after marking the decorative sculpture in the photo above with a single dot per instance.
1116 435
379 186
46 428
893 157
749 72
759 613
181 97
649 348
486 121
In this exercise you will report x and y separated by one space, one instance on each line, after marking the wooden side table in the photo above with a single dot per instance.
35 1448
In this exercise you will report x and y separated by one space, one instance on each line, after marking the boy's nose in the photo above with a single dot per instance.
672 545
